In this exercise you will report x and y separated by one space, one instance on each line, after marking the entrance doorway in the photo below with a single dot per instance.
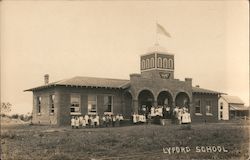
145 102
165 99
182 100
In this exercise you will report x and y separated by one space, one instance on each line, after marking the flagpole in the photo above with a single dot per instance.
156 36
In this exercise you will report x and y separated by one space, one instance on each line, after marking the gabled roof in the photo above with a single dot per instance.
232 99
202 90
88 82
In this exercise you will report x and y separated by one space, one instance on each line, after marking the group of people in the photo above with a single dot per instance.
138 118
181 115
92 121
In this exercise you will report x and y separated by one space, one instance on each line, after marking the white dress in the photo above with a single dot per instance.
134 118
86 117
73 122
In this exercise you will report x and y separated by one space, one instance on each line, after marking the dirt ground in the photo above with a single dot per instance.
24 141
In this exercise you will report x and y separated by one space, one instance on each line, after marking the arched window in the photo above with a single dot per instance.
147 63
152 63
143 64
170 64
165 62
159 62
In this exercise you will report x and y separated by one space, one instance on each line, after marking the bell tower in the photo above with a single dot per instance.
157 63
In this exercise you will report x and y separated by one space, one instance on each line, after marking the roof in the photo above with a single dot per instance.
88 82
232 99
202 90
234 107
103 83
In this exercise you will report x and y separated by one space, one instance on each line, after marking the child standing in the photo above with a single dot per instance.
73 122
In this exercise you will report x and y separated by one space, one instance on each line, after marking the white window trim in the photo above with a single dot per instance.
37 104
143 64
171 63
165 63
198 114
92 113
209 114
159 64
78 95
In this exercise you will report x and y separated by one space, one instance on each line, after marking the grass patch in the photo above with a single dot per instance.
131 142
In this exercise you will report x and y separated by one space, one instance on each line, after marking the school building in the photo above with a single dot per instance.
55 103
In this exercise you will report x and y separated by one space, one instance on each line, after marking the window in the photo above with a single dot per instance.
75 105
147 63
221 105
108 103
143 64
152 63
159 62
165 62
198 107
92 104
52 103
221 115
170 64
208 108
39 102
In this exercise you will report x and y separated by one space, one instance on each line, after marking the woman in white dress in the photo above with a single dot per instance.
73 122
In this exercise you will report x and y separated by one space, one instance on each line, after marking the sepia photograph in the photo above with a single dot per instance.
126 79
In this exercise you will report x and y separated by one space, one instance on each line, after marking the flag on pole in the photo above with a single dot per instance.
160 29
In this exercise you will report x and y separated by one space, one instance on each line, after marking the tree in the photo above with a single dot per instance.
5 107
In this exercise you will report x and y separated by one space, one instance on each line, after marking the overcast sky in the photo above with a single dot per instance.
210 41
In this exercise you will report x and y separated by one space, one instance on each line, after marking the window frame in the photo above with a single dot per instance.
208 105
221 115
39 105
90 112
165 63
159 62
147 64
170 63
79 97
143 64
198 106
221 105
51 104
152 63
112 103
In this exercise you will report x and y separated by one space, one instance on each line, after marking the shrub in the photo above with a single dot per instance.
15 116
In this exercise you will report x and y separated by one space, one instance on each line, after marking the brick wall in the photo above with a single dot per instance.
45 117
214 108
156 85
65 93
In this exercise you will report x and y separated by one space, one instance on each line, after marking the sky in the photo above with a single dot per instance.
210 41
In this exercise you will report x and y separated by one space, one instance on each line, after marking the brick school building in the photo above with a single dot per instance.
55 103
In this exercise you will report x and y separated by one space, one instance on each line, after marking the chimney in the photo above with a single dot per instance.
46 78
189 81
